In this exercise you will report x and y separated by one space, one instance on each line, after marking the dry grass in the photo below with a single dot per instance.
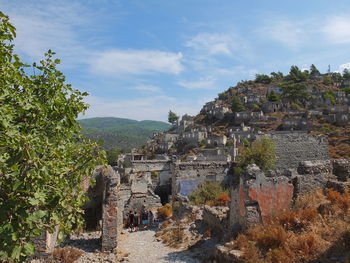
67 254
318 228
166 211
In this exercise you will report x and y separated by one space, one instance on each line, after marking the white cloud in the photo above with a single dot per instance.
203 83
217 44
289 33
337 29
147 88
115 62
344 66
146 108
42 26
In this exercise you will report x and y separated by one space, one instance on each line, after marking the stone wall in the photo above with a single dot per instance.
215 218
294 147
187 176
257 196
110 210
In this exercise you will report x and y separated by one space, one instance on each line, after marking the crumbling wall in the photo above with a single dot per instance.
187 176
215 218
256 197
110 209
294 147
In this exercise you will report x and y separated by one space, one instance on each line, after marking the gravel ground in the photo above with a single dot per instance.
143 247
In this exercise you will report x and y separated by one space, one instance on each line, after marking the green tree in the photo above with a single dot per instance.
112 155
260 152
295 91
273 97
43 155
261 78
296 75
236 104
277 76
346 74
314 71
172 117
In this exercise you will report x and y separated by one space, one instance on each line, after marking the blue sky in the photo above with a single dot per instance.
138 59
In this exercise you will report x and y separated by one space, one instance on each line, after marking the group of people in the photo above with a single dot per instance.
135 221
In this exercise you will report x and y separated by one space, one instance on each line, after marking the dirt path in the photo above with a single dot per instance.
143 247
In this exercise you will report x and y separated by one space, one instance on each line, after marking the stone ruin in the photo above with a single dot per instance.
257 196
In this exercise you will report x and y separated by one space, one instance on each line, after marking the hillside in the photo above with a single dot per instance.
305 101
120 132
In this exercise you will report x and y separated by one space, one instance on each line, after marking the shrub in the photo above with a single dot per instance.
268 236
206 193
236 104
165 211
222 199
261 152
342 200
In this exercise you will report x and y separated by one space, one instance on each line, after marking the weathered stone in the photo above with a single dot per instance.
315 167
341 169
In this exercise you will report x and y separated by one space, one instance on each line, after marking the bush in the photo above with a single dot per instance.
166 211
262 78
206 193
236 104
261 152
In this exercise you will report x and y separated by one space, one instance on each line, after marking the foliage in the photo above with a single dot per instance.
236 104
172 117
329 95
121 133
295 91
165 211
256 107
296 75
273 97
295 106
327 79
43 155
222 199
314 71
262 78
277 76
207 192
346 74
112 155
347 90
261 152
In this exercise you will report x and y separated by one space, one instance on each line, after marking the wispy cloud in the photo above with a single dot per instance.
288 32
116 62
225 43
147 88
42 26
203 83
337 29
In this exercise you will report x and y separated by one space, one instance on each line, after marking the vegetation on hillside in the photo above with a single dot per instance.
121 133
43 156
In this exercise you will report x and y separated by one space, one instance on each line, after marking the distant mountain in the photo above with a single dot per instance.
120 132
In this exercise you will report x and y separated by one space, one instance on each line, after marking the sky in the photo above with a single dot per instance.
139 59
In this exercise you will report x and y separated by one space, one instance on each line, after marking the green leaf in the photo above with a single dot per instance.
16 253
